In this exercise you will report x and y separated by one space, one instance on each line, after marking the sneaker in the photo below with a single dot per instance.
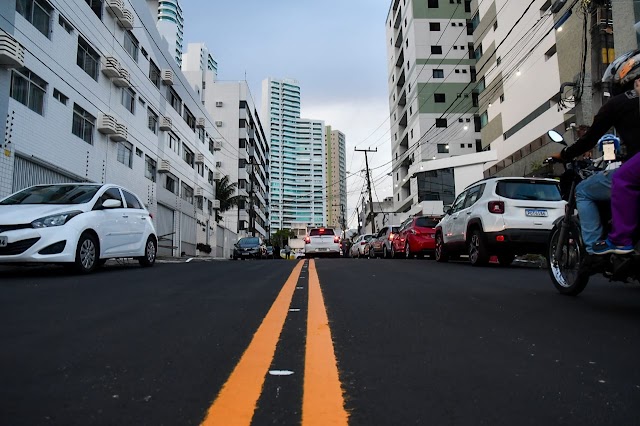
606 247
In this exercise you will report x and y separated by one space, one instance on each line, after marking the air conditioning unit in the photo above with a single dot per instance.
217 145
122 80
107 124
200 122
166 76
115 8
111 67
121 133
126 20
216 204
218 164
200 158
219 104
199 192
164 166
11 52
217 175
218 123
165 123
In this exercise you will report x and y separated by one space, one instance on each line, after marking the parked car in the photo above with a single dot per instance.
322 241
504 217
80 224
249 248
380 245
416 237
359 246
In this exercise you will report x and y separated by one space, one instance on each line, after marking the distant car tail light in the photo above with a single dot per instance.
336 239
307 240
391 237
496 207
500 238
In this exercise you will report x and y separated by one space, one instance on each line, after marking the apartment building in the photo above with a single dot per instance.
198 57
336 173
432 94
90 94
297 163
170 24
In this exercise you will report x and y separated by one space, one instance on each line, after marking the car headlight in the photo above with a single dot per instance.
54 220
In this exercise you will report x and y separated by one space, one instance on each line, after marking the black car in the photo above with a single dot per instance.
249 248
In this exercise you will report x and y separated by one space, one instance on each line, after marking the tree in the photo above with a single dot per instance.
225 194
281 237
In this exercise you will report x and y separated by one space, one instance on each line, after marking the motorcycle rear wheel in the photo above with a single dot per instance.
564 271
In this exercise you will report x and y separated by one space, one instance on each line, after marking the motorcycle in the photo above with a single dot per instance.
566 251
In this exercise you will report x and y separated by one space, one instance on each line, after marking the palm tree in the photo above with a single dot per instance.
224 193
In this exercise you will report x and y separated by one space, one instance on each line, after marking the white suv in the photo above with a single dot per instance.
322 241
501 217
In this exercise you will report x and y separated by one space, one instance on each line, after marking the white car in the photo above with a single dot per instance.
81 224
322 241
503 217
359 246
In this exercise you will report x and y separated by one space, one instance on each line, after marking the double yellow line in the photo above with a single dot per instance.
322 401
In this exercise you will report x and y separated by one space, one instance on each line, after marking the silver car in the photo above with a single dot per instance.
359 245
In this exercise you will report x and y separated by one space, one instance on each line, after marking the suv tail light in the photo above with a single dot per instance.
307 240
363 243
336 239
391 236
496 207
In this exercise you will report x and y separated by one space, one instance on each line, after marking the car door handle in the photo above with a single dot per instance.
469 212
125 216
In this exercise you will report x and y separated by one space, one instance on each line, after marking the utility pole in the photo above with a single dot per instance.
366 160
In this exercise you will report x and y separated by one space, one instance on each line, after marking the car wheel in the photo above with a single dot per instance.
385 253
393 252
506 259
478 254
441 254
87 254
407 251
372 253
150 252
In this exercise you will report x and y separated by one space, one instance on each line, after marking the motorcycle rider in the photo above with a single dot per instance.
622 112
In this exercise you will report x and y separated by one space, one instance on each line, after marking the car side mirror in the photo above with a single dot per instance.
111 204
556 137
449 211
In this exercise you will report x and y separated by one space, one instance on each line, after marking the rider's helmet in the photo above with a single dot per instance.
623 71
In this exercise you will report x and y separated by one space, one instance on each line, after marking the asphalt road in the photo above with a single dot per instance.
415 342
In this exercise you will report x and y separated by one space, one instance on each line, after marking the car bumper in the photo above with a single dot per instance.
518 241
247 255
44 245
326 250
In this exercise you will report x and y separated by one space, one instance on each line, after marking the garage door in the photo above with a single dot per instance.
188 234
27 173
164 228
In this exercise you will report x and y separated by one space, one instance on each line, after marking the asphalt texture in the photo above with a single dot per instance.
416 342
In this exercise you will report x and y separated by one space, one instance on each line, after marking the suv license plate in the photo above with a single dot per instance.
536 213
3 241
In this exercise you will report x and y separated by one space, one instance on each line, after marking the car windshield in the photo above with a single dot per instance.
427 222
53 194
529 190
395 229
249 242
320 232
368 237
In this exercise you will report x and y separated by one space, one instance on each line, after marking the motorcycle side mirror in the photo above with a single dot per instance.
556 137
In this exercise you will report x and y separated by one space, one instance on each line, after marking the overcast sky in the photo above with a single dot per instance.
336 49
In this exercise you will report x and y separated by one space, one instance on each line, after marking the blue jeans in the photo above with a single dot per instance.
588 193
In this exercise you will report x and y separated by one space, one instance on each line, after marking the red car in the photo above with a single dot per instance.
416 237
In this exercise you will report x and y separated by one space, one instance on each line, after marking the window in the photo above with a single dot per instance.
199 202
200 169
60 97
529 190
83 124
438 73
128 99
154 74
411 138
436 50
467 6
495 25
457 205
131 45
37 12
175 100
501 98
439 98
478 52
110 194
189 118
434 26
481 86
88 59
186 193
432 4
188 156
552 51
125 153
65 24
210 177
150 166
201 134
441 122
139 152
472 196
132 200
455 47
28 89
484 119
96 6
174 143
211 145
171 184
152 121
475 21
475 99
443 148
498 60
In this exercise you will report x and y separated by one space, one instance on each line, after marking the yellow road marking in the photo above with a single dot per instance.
322 401
237 400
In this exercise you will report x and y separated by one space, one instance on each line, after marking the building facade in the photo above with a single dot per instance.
198 57
297 163
91 95
170 24
432 95
336 173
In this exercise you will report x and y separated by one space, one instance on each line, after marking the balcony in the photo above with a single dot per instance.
399 40
401 79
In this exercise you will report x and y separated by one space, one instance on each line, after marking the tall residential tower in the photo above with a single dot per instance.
336 172
170 24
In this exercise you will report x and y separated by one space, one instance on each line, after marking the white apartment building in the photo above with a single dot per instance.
198 57
170 24
297 163
432 104
336 173
90 94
